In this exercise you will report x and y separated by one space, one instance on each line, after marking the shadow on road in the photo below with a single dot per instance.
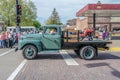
115 38
54 56
114 71
96 65
103 56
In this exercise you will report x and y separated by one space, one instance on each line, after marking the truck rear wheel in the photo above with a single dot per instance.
30 52
88 52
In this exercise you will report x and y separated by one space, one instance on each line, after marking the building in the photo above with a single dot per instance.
99 16
71 24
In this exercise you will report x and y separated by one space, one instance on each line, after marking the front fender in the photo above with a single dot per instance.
36 43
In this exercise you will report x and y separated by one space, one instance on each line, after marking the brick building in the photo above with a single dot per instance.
71 24
113 22
99 16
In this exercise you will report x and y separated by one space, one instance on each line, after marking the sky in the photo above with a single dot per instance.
66 8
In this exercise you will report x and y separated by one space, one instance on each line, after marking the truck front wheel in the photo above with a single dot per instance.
88 52
30 52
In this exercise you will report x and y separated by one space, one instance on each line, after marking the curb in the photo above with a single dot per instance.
116 49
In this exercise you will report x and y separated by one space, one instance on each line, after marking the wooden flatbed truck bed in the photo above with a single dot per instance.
87 49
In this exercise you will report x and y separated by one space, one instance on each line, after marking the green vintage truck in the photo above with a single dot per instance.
54 39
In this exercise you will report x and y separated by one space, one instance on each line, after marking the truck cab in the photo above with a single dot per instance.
51 38
31 44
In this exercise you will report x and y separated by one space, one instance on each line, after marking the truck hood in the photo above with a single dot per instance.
31 36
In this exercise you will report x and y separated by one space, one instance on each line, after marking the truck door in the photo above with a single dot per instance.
51 38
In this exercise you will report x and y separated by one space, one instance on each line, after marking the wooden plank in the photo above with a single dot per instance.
72 40
72 36
70 30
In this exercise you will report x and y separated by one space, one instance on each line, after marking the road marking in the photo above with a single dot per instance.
68 59
6 52
114 49
14 74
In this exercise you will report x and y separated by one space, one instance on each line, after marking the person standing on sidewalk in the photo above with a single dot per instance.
18 35
10 40
0 41
6 39
9 36
3 39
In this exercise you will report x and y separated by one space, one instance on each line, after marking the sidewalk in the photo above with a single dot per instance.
115 46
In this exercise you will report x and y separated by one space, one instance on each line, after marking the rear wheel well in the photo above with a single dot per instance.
80 46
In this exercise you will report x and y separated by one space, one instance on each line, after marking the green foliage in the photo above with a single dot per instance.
36 24
8 12
54 18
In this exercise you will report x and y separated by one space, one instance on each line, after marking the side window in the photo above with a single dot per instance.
47 31
51 31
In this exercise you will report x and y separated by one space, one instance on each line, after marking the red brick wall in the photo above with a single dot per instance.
99 19
78 24
100 22
88 22
81 24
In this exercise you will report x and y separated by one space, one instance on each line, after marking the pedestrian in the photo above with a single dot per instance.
104 35
10 40
6 39
15 38
9 36
18 35
3 39
0 41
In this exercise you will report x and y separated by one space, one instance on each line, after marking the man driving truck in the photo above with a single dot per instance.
54 31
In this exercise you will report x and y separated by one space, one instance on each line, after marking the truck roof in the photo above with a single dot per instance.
52 26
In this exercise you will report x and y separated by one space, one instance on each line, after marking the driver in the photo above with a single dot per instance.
54 31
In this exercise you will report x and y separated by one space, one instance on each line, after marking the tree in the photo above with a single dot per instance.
36 24
8 12
54 18
29 12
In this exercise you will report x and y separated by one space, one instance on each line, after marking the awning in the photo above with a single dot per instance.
110 10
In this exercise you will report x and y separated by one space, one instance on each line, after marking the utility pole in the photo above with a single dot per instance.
94 22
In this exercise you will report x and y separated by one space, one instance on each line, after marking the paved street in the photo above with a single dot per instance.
9 61
63 65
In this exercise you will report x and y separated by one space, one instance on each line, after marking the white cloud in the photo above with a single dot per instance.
66 8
